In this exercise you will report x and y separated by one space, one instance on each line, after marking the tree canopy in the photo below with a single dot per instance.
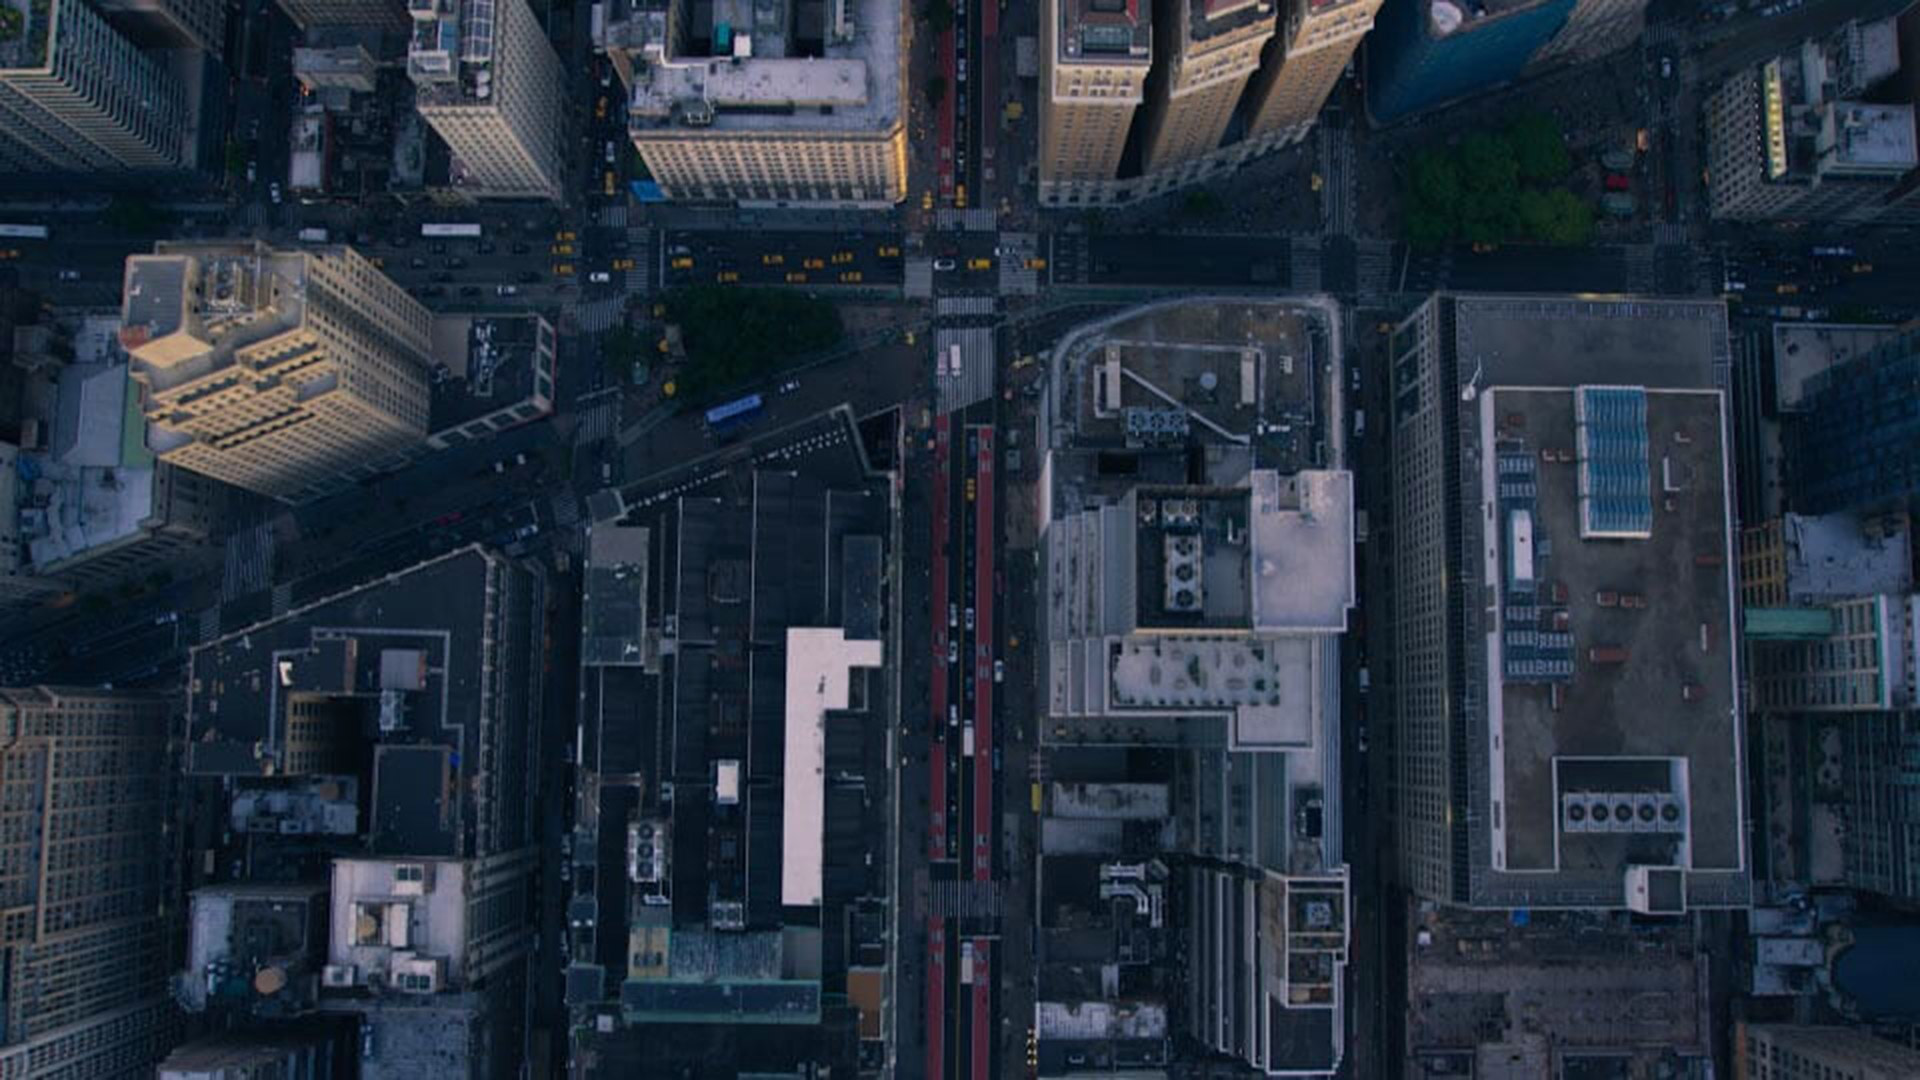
1494 186
735 335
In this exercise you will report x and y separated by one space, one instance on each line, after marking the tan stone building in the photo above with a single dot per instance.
1211 48
1096 54
282 372
1808 1052
1304 61
84 796
76 96
489 83
759 106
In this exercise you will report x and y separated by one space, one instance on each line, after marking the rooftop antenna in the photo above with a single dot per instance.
1472 389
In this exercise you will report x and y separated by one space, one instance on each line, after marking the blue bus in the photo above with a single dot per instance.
725 419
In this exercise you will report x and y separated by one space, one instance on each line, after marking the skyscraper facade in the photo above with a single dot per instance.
1812 1052
1427 53
279 371
1855 444
1210 49
86 870
77 96
489 83
1096 54
1315 42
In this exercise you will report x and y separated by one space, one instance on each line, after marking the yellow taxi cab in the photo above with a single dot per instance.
960 196
1482 247
600 108
772 258
683 262
815 264
606 183
979 264
565 236
1036 264
850 277
1786 288
971 491
562 269
926 200
1863 268
795 277
841 258
560 249
623 264
727 277
888 251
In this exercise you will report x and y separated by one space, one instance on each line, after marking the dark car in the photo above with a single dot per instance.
469 290
519 249
530 276
418 263
439 247
487 249
443 277
456 263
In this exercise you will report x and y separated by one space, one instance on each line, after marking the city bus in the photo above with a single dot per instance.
24 232
446 229
723 420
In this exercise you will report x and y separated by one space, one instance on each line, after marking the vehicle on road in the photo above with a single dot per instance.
623 264
796 277
506 290
24 232
943 264
841 258
450 228
850 277
562 269
814 264
1666 67
888 251
682 262
469 290
599 277
953 615
1618 182
999 671
69 275
772 258
560 249
979 264
735 414
969 620
727 277
789 386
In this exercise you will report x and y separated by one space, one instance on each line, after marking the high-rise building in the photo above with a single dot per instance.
1095 55
386 15
766 103
87 873
1797 137
1427 53
279 371
307 1051
488 81
1810 1052
1595 28
77 96
1209 48
170 24
1855 442
1315 41
1567 679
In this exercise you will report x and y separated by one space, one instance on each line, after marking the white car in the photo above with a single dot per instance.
943 264
599 277
506 290
273 192
69 275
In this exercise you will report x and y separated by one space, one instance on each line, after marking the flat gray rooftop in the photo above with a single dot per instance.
1530 341
1668 698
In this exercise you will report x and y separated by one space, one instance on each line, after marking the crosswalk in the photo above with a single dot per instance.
1373 267
1641 274
1016 277
594 316
966 899
1303 263
1670 233
973 219
597 421
640 245
566 510
614 216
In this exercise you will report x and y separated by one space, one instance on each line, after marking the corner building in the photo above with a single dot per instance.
1097 54
282 372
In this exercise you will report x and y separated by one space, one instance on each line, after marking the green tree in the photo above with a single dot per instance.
1570 219
1428 229
1535 212
734 335
1539 149
936 90
1433 181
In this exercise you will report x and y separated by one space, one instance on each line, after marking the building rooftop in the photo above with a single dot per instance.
1802 350
401 925
450 54
401 681
1830 557
763 65
257 947
496 366
820 667
1816 120
1105 32
614 605
1616 672
97 483
1208 20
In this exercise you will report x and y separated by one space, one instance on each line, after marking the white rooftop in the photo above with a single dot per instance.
378 919
1302 550
820 663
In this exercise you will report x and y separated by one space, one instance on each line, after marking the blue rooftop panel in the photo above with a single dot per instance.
1616 480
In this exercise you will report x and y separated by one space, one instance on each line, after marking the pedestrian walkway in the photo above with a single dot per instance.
597 421
1374 268
566 509
955 390
1670 233
1641 274
917 278
282 598
595 316
614 216
972 219
1017 278
640 250
1303 263
966 899
964 305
